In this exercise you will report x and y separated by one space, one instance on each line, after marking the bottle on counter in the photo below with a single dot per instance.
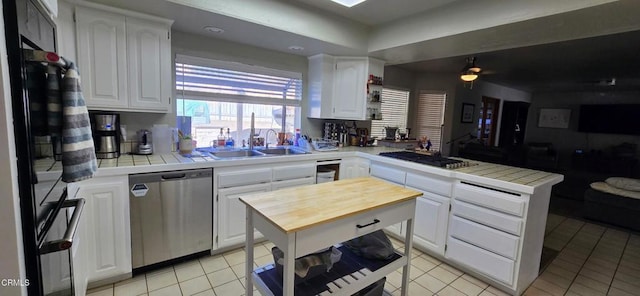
297 138
229 142
221 139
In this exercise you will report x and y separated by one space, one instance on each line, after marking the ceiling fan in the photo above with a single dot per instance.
470 71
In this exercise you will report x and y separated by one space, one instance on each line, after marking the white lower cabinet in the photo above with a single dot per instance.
393 175
354 168
233 182
106 235
432 210
430 227
232 214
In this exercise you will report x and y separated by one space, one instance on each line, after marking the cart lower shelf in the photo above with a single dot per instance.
348 276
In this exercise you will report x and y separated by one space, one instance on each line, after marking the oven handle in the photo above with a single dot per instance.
67 239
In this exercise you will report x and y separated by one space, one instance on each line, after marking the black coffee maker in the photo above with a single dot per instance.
105 127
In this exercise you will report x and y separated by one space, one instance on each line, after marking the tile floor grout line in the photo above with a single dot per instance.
555 227
585 261
618 263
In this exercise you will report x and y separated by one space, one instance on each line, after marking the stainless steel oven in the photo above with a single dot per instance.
57 231
48 217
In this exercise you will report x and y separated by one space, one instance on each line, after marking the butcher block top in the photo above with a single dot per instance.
298 208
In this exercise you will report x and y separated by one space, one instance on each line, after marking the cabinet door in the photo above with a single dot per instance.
232 214
349 89
354 168
108 236
430 228
362 168
102 58
149 67
348 169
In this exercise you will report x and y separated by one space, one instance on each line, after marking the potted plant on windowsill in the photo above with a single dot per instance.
186 144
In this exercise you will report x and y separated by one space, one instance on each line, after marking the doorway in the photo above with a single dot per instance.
489 110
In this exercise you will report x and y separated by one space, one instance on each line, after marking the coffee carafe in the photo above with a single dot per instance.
106 134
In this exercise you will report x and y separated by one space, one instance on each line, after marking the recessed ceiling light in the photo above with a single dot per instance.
348 3
296 48
213 29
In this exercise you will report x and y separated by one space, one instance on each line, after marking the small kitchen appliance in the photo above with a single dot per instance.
144 146
390 133
106 134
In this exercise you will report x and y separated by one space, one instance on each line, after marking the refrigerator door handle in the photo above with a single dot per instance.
67 239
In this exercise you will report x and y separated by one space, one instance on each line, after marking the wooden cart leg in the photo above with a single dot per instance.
408 245
289 266
249 257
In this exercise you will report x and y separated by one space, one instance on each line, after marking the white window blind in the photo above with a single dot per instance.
234 82
394 112
430 117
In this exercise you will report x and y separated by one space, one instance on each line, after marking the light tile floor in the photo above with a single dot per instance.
592 260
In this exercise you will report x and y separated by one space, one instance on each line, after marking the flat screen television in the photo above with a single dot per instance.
610 119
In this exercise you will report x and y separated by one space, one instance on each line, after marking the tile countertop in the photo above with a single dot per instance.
501 176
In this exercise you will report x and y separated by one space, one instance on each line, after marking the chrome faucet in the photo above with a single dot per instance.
252 131
266 140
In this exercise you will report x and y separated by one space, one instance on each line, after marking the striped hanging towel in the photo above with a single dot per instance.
78 153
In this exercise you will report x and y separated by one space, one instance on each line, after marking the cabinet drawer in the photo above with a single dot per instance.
493 199
488 217
429 184
311 239
490 264
496 241
294 172
387 173
244 177
292 183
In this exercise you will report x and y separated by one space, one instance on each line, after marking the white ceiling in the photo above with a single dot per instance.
434 35
377 12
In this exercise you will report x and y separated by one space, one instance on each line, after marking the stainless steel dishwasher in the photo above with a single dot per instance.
171 215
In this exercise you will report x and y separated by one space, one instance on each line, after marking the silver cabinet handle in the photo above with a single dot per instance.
67 239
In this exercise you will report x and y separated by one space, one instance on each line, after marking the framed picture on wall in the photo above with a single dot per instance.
554 118
467 113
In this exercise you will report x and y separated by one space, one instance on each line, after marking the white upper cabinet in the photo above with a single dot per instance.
349 89
338 86
149 53
124 60
102 57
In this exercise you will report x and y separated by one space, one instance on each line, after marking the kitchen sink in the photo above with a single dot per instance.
282 151
236 153
241 153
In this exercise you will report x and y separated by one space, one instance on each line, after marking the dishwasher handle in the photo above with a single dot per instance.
174 176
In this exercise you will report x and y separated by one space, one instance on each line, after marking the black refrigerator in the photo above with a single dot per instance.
48 217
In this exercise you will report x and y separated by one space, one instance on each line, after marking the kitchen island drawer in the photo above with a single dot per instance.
485 262
235 178
309 240
429 184
501 201
487 217
496 241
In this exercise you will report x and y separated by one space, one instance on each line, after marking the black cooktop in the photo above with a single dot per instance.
434 160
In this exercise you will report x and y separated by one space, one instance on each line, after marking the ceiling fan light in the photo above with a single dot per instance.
469 75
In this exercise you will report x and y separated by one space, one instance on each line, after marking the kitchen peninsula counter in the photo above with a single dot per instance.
506 177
